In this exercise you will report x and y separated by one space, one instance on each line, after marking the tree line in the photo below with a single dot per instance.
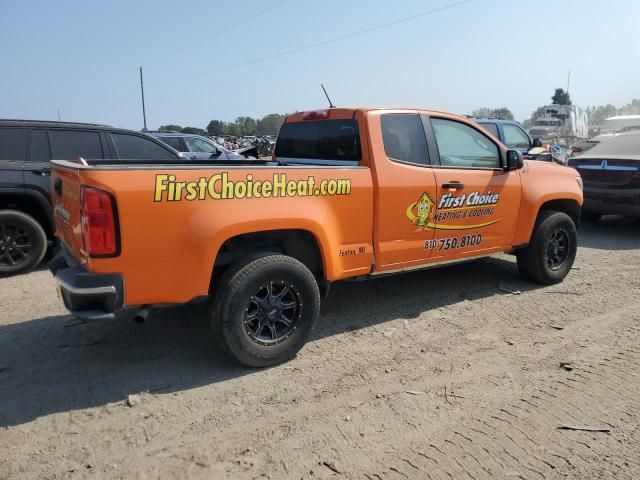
241 126
270 124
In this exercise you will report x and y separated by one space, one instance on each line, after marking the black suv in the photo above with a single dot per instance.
26 147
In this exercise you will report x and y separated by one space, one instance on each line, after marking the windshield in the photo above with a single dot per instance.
547 122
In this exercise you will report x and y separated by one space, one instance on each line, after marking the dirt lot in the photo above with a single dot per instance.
439 374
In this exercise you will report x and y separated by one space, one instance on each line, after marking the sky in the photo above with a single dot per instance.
220 59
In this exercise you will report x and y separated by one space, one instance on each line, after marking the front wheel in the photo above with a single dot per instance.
550 255
23 242
265 309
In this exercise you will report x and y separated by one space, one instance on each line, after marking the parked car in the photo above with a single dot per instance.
350 193
196 147
611 175
26 148
583 146
509 133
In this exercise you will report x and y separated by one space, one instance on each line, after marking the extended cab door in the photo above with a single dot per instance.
477 201
405 189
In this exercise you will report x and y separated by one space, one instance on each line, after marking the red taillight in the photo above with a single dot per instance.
315 115
576 149
99 229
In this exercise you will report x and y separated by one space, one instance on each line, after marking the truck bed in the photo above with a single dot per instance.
174 218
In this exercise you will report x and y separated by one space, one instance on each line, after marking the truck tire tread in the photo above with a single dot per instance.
227 305
531 260
39 238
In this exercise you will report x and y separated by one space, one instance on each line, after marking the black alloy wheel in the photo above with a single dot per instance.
271 314
557 250
16 245
552 249
264 309
23 242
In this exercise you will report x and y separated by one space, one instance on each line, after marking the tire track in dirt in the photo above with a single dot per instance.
524 441
366 396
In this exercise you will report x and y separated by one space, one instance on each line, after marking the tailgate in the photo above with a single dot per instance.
65 196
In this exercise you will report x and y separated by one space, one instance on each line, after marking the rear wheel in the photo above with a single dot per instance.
23 242
550 255
265 309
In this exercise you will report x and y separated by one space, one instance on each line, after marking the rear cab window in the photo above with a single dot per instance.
322 142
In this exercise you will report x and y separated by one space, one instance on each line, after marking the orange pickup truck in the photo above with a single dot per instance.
349 193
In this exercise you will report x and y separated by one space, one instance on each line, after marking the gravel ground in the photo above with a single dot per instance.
439 374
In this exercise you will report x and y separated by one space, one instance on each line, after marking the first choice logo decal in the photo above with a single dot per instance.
424 213
220 187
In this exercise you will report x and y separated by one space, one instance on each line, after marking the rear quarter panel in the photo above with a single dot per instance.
169 245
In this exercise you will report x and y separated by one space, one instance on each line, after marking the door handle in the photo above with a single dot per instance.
453 185
42 171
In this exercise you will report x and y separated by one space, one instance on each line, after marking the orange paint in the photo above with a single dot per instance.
378 216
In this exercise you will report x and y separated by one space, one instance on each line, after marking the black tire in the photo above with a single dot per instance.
591 217
248 320
23 242
550 254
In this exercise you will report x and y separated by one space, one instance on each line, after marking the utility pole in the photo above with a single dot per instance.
568 79
144 112
58 114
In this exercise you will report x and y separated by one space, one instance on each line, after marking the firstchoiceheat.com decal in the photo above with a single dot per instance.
221 187
424 213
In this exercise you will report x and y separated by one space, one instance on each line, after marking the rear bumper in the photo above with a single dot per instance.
609 201
86 295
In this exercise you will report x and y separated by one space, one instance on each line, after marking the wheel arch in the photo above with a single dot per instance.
300 244
530 213
32 203
566 205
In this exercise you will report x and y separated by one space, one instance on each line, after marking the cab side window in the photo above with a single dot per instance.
514 137
462 146
403 137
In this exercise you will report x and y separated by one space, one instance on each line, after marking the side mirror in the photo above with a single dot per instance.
537 143
514 160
